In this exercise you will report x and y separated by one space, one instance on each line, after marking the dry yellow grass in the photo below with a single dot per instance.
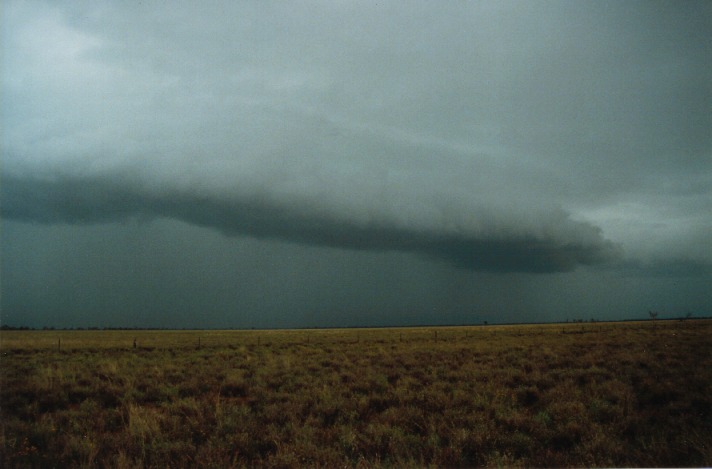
603 394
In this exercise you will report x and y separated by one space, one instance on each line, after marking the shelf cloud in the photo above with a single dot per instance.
493 143
467 236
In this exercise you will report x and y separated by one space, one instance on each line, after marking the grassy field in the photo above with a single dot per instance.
603 394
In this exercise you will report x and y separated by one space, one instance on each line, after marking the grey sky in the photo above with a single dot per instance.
335 163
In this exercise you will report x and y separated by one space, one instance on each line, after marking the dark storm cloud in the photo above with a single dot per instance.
554 244
490 139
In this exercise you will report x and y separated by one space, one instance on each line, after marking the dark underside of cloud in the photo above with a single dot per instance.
80 200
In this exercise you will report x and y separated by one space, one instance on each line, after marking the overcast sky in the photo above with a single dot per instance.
291 164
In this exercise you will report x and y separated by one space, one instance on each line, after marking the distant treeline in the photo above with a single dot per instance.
6 327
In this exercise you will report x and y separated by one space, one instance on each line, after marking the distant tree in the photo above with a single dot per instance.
653 315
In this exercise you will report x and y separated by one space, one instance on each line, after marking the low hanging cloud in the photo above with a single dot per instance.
467 236
503 138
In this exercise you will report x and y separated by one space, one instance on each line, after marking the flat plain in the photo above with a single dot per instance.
594 394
